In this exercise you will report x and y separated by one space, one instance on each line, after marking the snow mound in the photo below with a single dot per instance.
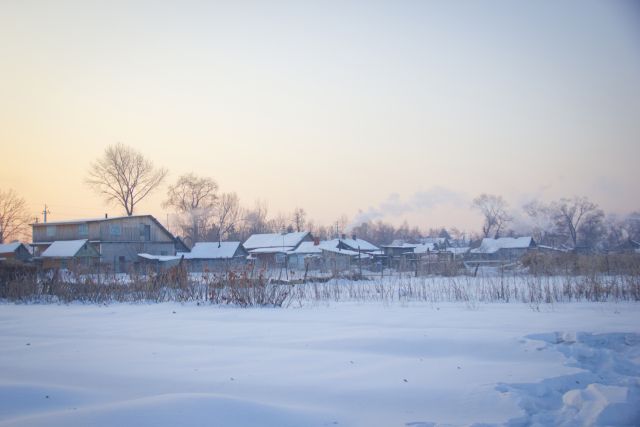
604 392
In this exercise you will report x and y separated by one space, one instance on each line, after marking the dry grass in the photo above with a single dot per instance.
583 279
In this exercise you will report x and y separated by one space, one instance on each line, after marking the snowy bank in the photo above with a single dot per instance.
348 364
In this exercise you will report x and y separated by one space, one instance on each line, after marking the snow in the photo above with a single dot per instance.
274 250
274 240
332 246
363 255
212 250
161 258
424 248
354 244
308 248
64 248
6 248
321 364
489 245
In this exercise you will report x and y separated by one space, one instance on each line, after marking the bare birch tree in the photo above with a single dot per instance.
124 176
14 217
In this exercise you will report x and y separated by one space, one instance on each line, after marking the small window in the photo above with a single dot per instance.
83 229
115 229
51 230
145 232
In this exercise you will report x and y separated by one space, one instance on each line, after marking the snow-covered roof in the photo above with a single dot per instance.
64 248
6 248
82 221
345 252
408 246
489 245
274 240
212 250
308 248
276 250
355 243
161 258
424 248
457 250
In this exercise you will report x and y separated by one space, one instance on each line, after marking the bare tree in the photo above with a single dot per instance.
255 220
227 215
279 224
541 224
632 226
194 198
298 219
494 209
124 176
14 217
570 214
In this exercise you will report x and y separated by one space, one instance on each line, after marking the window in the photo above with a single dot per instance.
145 232
51 230
83 229
115 229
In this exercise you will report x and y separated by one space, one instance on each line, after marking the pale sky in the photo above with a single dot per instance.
397 109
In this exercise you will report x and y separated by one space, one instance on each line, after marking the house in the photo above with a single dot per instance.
69 254
354 244
399 254
15 251
272 248
148 262
215 256
436 242
502 249
117 240
338 259
306 254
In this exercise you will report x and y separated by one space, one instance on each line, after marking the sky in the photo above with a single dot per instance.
396 110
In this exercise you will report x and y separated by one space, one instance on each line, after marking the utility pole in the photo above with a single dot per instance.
45 212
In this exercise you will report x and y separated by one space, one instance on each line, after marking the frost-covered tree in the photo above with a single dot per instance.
494 210
227 216
194 199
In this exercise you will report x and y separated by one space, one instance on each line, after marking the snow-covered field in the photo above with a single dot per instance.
346 364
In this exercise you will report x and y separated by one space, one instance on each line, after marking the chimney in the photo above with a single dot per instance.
344 236
316 241
106 216
354 236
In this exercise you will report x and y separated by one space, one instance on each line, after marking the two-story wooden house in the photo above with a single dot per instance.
118 240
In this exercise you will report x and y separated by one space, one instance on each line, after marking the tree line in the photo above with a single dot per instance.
125 177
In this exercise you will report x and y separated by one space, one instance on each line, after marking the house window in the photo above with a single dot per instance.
115 229
145 232
83 229
51 230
